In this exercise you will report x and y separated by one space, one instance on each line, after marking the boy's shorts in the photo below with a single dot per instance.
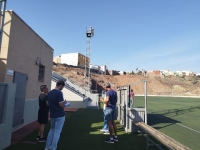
43 117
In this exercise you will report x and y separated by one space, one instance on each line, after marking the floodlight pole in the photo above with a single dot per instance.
89 35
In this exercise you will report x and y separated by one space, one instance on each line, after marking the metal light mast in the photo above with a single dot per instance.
2 17
89 35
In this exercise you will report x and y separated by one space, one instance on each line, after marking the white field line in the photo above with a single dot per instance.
168 96
177 123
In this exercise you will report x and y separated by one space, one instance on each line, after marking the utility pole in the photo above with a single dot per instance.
2 17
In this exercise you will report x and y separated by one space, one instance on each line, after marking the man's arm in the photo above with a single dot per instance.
61 100
105 100
62 104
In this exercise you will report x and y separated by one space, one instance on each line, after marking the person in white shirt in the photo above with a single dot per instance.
105 127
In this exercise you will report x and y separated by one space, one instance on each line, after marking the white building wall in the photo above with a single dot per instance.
103 68
94 67
70 59
75 100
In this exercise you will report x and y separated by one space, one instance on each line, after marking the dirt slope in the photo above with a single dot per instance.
156 86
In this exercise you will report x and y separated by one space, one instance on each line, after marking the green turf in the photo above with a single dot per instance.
165 113
81 129
81 132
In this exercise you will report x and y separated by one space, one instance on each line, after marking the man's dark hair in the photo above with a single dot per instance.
60 82
131 90
108 85
42 87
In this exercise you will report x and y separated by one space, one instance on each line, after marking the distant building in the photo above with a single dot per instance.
100 69
74 59
198 74
122 72
166 73
153 73
178 73
103 68
95 67
57 59
113 72
188 73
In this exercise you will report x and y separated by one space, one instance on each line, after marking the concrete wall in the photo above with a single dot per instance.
21 47
6 125
31 111
25 46
5 45
75 100
70 59
81 60
74 59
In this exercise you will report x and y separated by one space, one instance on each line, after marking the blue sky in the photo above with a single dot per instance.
148 34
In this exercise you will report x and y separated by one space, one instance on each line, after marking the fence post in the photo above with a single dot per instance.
145 95
126 99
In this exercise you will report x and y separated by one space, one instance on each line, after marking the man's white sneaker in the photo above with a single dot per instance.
106 132
102 130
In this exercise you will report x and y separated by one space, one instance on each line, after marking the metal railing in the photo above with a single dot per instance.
70 88
92 98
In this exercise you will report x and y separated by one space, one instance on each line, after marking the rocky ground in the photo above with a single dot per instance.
185 86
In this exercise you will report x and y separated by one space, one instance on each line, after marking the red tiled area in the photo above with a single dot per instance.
71 109
24 131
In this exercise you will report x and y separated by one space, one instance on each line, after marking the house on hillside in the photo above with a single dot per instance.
153 73
25 59
178 73
188 73
57 59
122 72
99 69
166 73
113 72
198 74
103 69
74 59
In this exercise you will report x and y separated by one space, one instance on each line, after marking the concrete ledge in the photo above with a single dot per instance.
71 109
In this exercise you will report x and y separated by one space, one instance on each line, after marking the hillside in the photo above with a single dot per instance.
185 86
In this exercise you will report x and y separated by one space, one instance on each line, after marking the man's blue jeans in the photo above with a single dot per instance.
54 133
105 127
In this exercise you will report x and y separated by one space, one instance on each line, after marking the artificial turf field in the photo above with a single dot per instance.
177 117
81 129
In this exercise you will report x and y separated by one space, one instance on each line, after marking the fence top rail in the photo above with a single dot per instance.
133 83
164 139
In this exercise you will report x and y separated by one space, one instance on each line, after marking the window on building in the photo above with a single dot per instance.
41 73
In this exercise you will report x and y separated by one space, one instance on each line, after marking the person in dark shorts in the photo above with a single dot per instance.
42 113
111 100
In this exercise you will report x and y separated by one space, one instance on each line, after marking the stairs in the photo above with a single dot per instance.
90 99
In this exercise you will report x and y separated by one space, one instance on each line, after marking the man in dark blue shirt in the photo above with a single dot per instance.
56 105
110 101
